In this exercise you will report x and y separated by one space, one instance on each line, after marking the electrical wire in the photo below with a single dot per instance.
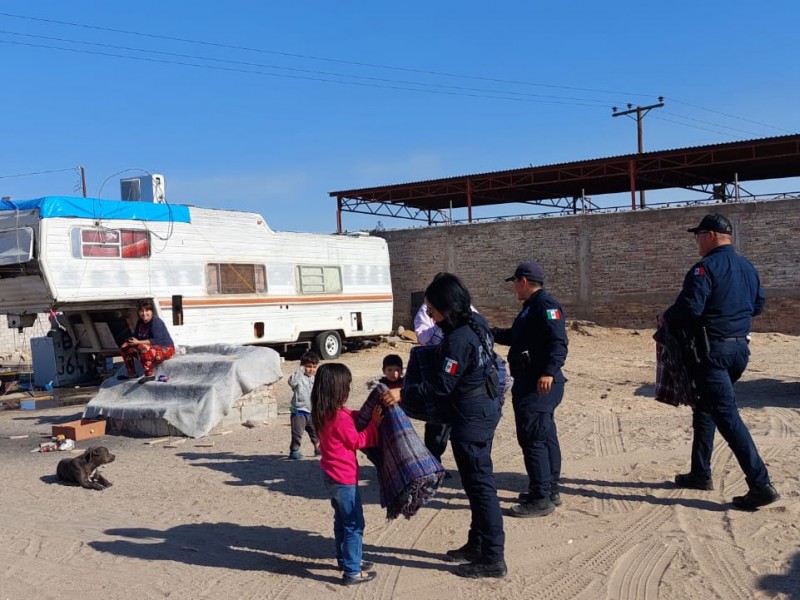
603 102
316 58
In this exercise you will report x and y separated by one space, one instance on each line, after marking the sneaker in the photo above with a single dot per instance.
756 497
362 577
465 554
555 498
694 481
477 570
124 377
147 378
295 455
532 508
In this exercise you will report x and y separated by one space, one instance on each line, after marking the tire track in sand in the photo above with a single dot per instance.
638 573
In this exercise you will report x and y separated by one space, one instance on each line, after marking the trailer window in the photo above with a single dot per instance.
115 243
319 280
230 278
16 246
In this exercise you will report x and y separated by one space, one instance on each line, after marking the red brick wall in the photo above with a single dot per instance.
618 269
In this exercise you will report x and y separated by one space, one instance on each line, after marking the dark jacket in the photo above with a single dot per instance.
722 293
539 329
460 382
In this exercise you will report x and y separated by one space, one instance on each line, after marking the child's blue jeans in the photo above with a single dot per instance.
348 525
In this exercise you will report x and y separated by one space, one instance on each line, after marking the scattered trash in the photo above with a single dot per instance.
163 378
46 447
17 437
250 424
66 445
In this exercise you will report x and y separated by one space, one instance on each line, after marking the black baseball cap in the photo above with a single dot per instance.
529 270
714 222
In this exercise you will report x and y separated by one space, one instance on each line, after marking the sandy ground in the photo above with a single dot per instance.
238 520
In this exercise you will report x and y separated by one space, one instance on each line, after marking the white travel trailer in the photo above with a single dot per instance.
216 276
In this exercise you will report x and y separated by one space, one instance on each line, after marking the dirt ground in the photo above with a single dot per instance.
238 520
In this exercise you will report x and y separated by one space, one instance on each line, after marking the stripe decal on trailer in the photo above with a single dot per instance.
166 303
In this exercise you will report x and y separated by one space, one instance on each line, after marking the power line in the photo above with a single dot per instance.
492 96
312 57
581 101
562 100
724 114
37 173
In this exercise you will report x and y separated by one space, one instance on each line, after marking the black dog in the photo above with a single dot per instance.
83 469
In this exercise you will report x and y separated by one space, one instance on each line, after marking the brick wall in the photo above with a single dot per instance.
618 269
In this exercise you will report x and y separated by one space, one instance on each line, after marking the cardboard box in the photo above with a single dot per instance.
81 430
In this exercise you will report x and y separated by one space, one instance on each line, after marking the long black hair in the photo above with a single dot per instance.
448 295
330 392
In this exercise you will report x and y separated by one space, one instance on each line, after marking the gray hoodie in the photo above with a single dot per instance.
301 385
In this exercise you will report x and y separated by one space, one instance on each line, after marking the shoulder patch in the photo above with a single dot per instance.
699 271
450 366
553 314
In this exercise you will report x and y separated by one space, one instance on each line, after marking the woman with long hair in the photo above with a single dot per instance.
460 380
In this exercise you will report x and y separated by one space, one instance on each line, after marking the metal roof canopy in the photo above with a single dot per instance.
690 168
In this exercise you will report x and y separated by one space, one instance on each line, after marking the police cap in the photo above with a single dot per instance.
528 270
713 222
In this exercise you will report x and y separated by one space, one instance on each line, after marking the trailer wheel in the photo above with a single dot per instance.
329 345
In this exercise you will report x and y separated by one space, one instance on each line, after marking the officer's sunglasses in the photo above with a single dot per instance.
697 234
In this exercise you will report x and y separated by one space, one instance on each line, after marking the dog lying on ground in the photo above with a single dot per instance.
82 469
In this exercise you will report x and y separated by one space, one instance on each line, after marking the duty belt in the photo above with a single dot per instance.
729 339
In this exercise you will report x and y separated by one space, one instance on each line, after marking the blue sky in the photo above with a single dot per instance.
293 100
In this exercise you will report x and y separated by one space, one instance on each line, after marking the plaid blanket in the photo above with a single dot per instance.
408 474
673 384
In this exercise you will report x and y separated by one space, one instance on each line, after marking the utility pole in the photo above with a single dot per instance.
640 111
83 180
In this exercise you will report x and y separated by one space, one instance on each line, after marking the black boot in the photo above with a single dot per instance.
478 570
693 481
756 497
465 554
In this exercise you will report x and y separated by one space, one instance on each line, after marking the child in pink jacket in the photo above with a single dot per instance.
338 442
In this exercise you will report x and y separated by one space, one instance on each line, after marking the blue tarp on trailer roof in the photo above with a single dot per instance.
94 208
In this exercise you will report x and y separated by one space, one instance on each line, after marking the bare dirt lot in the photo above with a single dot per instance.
238 520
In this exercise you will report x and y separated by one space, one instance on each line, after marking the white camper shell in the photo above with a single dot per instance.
215 276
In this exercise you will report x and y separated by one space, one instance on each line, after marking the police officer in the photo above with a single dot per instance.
720 295
538 349
458 379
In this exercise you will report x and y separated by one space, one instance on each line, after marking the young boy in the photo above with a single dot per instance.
301 382
392 371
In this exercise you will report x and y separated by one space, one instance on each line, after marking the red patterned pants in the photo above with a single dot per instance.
149 356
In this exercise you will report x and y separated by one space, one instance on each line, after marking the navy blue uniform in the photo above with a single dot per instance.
721 293
538 347
460 383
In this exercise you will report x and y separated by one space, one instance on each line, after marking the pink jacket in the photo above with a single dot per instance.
338 441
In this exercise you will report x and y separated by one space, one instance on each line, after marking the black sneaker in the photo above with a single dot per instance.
756 497
694 481
465 554
362 577
147 378
124 377
477 570
555 498
532 508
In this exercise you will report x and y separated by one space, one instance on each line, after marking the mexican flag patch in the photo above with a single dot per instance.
450 366
553 314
